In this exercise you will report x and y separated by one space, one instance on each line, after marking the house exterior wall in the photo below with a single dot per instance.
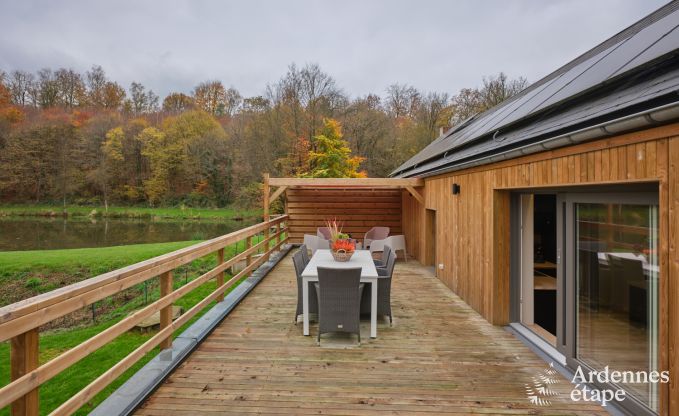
472 228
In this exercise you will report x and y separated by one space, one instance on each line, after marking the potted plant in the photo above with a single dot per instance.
341 247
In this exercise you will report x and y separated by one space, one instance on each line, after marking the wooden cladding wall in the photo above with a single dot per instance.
472 228
413 225
357 208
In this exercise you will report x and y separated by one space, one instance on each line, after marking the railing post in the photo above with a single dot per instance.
267 217
23 359
220 276
278 231
166 312
248 260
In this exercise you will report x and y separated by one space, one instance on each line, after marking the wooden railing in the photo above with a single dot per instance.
20 321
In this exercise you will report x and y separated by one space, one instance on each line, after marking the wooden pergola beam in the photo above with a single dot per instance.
348 182
415 194
277 193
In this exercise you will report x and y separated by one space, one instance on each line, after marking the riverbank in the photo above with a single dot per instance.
177 213
24 274
94 260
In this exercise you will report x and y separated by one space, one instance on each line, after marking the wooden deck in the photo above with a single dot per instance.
440 357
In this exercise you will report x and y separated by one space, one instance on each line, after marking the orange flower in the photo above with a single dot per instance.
345 245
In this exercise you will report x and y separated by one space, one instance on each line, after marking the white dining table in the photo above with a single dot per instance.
647 267
323 258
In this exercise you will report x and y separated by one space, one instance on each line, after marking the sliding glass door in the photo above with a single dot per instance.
585 279
611 267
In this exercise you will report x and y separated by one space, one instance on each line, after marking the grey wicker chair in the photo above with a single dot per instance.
339 301
382 263
383 288
298 261
305 254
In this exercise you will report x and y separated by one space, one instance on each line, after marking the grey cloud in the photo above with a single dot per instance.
366 45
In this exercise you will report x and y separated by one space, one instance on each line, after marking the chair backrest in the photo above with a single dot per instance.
633 269
391 260
388 254
323 244
377 233
324 233
305 254
314 242
336 278
397 242
298 261
377 246
339 303
380 233
310 241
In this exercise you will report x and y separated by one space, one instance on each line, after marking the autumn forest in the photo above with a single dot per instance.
67 137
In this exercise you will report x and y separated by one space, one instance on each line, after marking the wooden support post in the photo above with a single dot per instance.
220 276
267 217
278 231
166 312
248 260
265 189
23 359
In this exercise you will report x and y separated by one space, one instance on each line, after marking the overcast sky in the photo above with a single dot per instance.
365 45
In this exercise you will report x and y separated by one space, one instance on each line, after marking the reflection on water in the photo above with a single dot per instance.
56 233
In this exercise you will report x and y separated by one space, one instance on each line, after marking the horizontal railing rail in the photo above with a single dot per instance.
20 321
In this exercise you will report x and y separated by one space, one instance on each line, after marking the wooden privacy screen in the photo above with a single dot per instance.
359 209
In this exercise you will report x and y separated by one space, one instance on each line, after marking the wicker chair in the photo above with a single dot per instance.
383 288
305 254
386 254
298 261
339 295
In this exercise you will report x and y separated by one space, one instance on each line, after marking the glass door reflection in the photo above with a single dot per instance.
616 277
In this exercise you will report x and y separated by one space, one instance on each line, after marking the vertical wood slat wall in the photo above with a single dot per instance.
413 225
473 227
359 209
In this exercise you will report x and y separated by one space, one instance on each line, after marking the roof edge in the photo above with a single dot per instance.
653 117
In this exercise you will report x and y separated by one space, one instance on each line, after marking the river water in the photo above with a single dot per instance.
59 233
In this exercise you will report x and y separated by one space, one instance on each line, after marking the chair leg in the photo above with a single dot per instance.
390 320
359 337
318 338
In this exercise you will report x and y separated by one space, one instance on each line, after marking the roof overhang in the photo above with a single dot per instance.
347 182
654 117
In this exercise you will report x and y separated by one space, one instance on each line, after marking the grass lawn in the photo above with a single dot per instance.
89 262
94 260
75 378
127 212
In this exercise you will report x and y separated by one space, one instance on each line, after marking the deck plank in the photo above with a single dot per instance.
439 357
